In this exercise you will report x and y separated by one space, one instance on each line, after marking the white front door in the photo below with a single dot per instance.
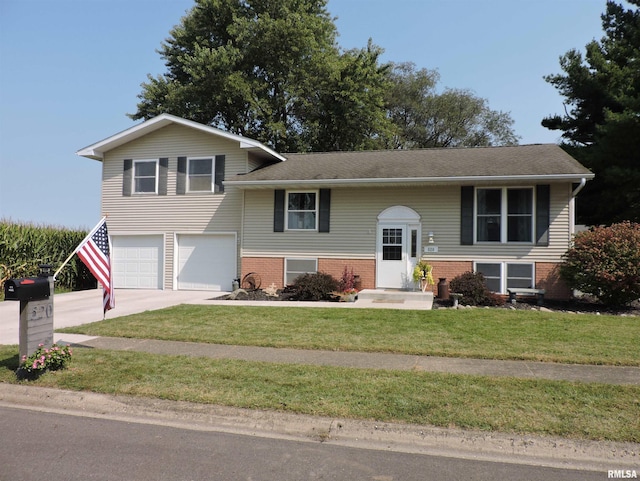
398 247
392 256
397 255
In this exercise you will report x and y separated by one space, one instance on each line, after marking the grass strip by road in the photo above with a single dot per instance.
471 333
574 410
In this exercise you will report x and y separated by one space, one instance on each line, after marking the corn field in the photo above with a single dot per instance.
23 247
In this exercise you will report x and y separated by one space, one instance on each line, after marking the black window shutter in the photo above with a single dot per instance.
127 177
466 215
162 180
219 174
278 211
181 179
325 210
543 207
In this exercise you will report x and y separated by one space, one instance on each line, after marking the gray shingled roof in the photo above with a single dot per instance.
539 161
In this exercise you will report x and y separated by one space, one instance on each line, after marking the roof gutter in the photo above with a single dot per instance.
408 180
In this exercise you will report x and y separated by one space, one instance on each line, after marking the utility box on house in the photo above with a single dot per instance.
36 308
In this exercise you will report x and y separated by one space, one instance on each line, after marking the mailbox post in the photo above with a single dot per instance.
36 308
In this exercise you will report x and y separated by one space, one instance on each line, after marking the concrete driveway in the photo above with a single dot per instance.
75 308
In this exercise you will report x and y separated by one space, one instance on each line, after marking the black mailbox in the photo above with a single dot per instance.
27 289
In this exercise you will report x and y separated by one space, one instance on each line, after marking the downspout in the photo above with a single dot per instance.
572 225
583 182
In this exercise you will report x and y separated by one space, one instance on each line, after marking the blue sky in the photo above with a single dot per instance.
70 71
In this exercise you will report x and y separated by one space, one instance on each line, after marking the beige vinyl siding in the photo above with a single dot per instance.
172 213
353 223
197 212
352 235
354 214
169 256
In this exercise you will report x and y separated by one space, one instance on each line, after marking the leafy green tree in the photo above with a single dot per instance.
347 111
601 124
272 70
244 66
454 118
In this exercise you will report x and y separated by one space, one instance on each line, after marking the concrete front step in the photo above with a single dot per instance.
396 298
394 295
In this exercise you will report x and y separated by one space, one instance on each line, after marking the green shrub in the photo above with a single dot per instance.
474 291
605 262
313 287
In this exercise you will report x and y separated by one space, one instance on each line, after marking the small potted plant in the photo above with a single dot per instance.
423 274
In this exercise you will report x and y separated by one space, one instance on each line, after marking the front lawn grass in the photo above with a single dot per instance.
471 333
574 410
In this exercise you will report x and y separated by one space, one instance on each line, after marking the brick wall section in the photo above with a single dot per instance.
270 269
548 278
365 268
448 270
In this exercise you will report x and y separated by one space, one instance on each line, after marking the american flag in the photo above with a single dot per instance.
94 251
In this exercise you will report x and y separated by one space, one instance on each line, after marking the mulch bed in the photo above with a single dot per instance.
583 305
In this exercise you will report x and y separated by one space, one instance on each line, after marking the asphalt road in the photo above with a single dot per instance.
39 445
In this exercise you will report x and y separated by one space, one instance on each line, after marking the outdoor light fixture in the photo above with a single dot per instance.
431 241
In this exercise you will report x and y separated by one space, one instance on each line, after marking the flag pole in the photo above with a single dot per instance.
76 249
63 264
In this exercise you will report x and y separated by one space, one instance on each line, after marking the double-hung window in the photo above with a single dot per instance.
302 211
293 268
504 214
200 175
145 176
500 276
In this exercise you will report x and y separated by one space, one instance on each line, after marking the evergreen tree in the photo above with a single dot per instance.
601 126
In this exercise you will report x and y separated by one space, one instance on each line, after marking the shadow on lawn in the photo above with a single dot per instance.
10 363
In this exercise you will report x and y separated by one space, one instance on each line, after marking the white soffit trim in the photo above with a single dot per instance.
96 151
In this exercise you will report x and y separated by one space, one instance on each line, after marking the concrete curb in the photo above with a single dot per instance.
415 439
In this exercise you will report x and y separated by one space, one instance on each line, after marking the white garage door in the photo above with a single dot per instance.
137 261
206 262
